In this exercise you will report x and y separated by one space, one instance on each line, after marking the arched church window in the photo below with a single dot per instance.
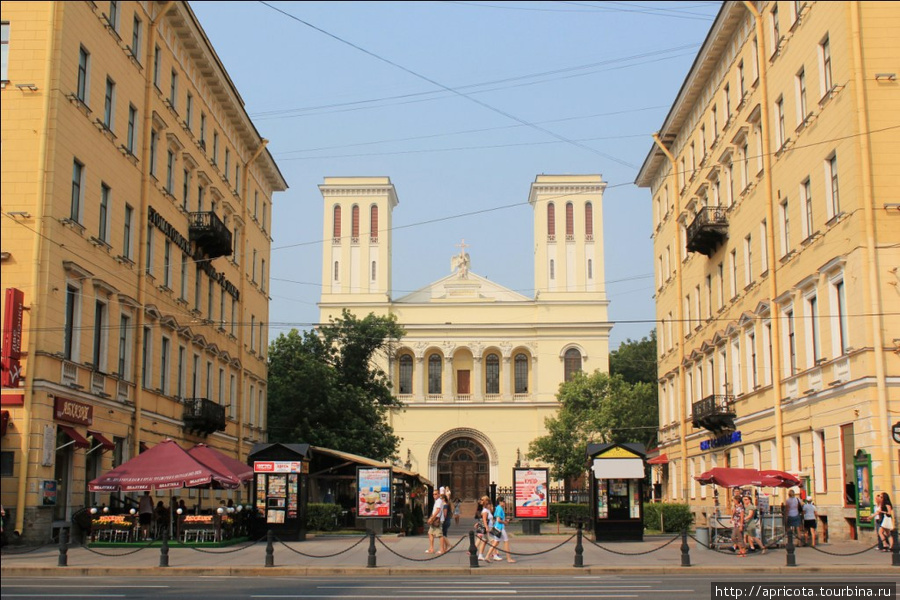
589 222
434 374
572 363
570 221
373 225
492 374
354 224
521 367
551 222
336 228
406 374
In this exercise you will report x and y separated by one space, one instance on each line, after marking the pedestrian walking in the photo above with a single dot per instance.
879 516
886 531
791 510
751 522
145 514
445 522
737 525
500 522
456 508
809 522
434 522
487 521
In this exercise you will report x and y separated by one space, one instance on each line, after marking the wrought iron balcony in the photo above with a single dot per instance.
203 416
715 413
210 234
708 230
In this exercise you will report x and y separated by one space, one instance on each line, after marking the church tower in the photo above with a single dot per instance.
568 237
356 259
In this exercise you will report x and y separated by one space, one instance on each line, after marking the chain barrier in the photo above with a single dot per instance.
180 544
557 547
429 559
135 551
677 537
710 547
14 553
872 547
358 542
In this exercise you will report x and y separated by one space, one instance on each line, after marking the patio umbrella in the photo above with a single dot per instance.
222 462
165 466
777 478
732 478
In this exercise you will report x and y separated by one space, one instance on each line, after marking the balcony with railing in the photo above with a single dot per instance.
715 413
210 234
708 230
203 416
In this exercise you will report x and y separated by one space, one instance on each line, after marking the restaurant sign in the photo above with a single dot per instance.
280 466
72 411
12 337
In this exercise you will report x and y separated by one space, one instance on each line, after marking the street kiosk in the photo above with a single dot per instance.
280 490
617 491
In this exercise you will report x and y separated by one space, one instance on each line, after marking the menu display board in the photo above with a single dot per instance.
278 492
530 491
374 492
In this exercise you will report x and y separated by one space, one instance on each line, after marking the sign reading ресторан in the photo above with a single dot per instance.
72 411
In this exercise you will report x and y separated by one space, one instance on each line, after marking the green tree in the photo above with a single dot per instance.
594 408
326 389
635 361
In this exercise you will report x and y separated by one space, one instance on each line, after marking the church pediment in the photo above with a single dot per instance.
454 288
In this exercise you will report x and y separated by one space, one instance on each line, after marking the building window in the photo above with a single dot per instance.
132 124
791 344
802 109
189 111
146 358
839 332
825 66
173 91
198 287
572 363
126 240
812 312
754 370
806 193
831 168
170 173
570 221
434 374
748 260
164 366
103 228
785 227
551 222
354 224
148 266
215 149
203 130
589 222
167 265
186 190
180 374
521 374
77 191
4 51
779 123
101 330
406 374
154 142
136 30
373 226
227 163
732 267
492 374
776 30
124 363
184 277
109 103
157 58
221 386
728 100
820 471
84 64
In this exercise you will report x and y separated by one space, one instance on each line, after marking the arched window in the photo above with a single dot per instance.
373 226
406 374
354 224
570 221
492 374
589 221
572 363
434 374
337 224
521 366
551 221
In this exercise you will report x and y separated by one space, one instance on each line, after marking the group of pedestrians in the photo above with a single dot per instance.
744 525
884 521
490 530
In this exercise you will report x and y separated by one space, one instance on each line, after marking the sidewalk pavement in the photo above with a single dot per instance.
552 553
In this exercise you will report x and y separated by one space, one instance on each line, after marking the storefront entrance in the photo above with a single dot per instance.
463 465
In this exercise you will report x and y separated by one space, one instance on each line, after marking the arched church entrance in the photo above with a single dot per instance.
463 465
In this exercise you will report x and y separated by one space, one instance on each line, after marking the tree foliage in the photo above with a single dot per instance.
326 389
635 361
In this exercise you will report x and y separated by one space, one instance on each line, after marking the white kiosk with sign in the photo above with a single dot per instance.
617 490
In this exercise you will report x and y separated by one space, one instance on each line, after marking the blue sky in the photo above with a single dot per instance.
461 104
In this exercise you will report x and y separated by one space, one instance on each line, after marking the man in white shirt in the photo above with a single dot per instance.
434 521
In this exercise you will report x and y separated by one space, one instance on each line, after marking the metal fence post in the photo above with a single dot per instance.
372 561
164 549
63 548
685 549
473 551
579 548
895 551
791 558
270 549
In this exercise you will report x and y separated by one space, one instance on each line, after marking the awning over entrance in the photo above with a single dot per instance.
80 440
618 468
104 443
662 459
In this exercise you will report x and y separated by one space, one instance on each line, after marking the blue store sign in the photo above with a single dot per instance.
725 440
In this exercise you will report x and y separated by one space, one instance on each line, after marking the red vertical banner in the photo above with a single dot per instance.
12 337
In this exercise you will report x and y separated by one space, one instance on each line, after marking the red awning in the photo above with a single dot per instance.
80 440
165 466
103 442
222 462
662 459
741 477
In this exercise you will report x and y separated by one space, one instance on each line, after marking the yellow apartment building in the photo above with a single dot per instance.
480 365
777 242
136 214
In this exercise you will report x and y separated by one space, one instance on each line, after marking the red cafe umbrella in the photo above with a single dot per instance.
780 479
222 462
165 466
732 478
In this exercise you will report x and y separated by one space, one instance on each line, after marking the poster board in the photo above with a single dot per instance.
373 486
530 493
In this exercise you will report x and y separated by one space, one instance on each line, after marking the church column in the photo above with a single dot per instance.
477 395
419 375
507 379
447 383
533 387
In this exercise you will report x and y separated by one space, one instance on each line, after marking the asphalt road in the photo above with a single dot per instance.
519 587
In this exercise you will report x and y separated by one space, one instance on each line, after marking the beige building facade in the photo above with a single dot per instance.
137 204
776 230
480 365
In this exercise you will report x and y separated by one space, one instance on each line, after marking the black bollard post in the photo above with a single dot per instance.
895 552
791 558
270 549
372 562
579 548
63 548
685 549
473 551
164 549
